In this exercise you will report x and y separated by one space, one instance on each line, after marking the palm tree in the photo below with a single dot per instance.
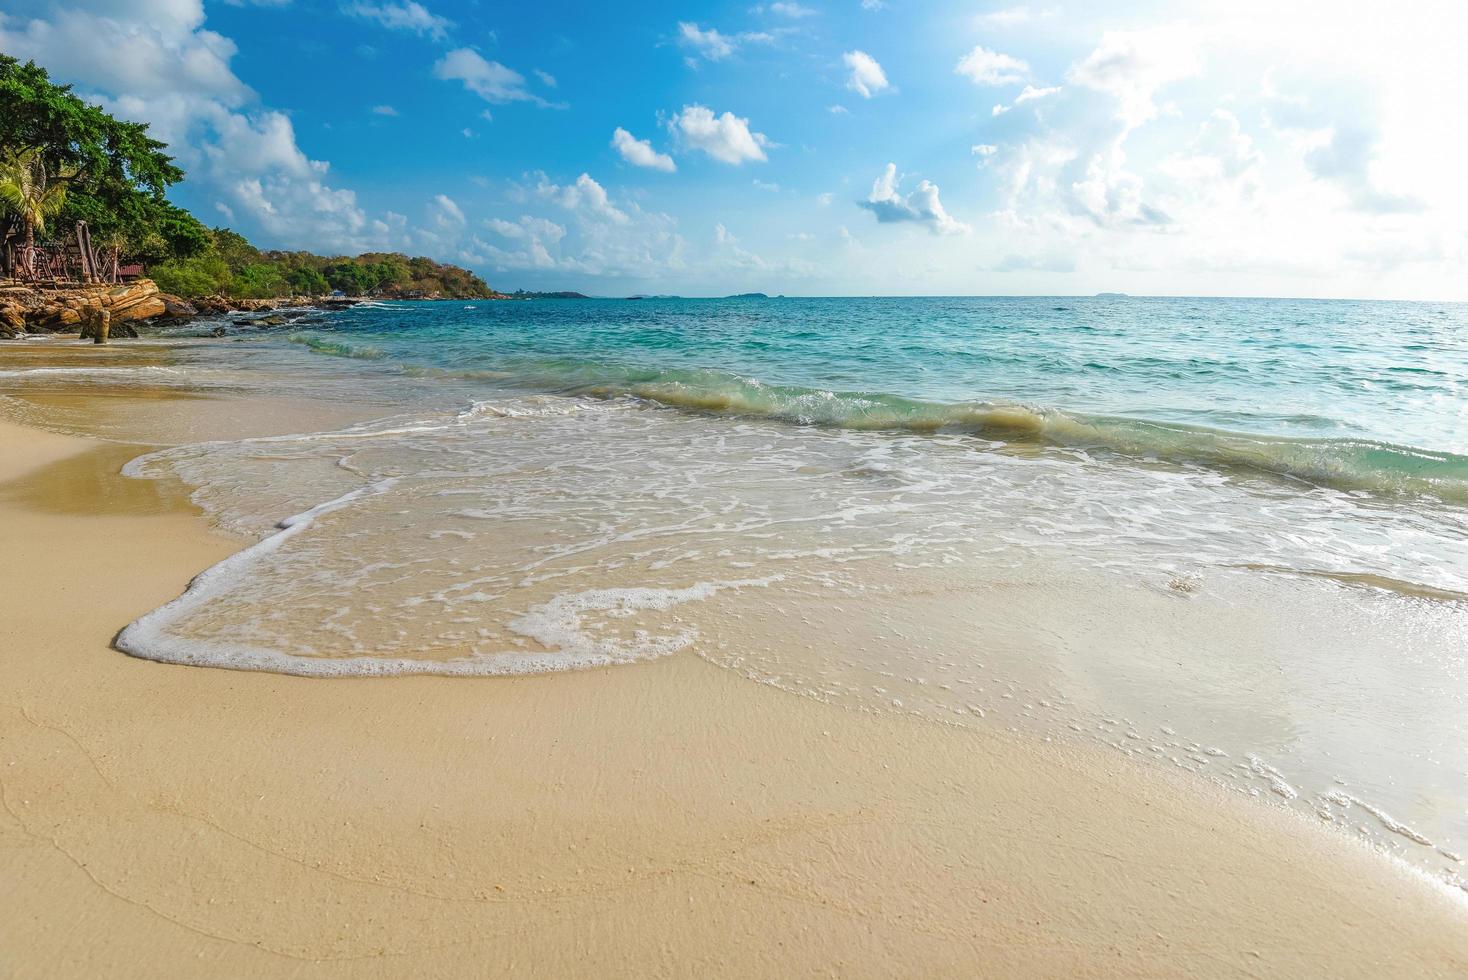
25 190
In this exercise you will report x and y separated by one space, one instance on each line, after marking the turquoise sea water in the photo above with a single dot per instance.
1370 395
1228 536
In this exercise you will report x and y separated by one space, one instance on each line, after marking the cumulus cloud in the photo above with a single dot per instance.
160 65
1131 66
408 16
446 212
792 10
165 54
985 67
384 110
1029 93
921 206
1221 164
1346 158
713 45
535 240
597 238
490 80
867 77
709 43
640 153
585 197
1010 17
727 138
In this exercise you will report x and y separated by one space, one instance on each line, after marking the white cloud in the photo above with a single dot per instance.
1131 66
1029 94
713 45
546 78
446 213
490 80
985 67
640 153
1013 17
727 138
161 66
867 77
408 16
1222 164
838 110
709 43
794 11
1346 157
528 227
384 110
599 239
170 59
585 197
921 206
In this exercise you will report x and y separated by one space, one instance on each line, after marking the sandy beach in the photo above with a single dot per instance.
666 818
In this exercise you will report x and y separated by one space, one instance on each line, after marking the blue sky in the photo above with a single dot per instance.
859 146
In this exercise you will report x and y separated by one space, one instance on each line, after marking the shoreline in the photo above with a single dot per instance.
630 819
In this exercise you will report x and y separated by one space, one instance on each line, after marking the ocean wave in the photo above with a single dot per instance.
336 348
1344 463
1341 463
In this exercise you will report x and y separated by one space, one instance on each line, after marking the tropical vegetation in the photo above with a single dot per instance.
63 160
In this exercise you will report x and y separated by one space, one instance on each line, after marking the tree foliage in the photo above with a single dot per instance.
114 176
231 266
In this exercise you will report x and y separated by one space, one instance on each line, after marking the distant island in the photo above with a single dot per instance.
1112 296
561 294
748 296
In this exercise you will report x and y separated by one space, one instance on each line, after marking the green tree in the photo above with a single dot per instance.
235 249
27 190
307 281
349 277
115 174
201 275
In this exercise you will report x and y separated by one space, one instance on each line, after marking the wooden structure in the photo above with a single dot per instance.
72 259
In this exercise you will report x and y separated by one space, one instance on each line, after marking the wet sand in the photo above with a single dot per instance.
669 817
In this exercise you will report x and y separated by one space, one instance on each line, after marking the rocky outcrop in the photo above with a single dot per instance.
176 307
53 309
12 321
26 308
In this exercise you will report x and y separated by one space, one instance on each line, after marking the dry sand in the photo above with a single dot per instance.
670 818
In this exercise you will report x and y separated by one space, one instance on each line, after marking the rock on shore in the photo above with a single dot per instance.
40 309
26 308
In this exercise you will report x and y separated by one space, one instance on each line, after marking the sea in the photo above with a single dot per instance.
1228 536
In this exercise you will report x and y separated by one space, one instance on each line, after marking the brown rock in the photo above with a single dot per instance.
175 307
53 317
144 308
12 320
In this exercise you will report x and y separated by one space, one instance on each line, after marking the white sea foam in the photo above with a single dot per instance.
558 625
526 534
142 371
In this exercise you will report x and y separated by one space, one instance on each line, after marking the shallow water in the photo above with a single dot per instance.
1229 536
